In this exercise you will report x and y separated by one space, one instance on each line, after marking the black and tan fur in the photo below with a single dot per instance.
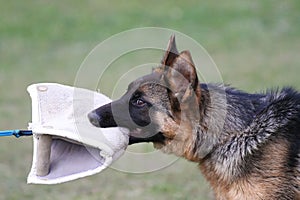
247 145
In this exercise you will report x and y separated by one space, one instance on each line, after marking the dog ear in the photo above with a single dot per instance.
181 77
171 52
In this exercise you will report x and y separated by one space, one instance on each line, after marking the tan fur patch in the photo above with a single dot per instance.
180 134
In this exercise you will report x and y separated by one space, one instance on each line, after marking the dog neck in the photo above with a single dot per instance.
213 111
224 112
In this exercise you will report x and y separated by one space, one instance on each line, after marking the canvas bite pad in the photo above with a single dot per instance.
65 145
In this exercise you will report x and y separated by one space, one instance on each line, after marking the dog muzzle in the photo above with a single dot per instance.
66 146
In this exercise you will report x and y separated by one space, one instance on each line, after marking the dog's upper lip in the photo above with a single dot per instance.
94 119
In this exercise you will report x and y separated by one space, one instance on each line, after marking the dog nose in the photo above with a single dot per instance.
94 118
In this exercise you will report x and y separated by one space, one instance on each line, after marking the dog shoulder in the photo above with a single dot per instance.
279 117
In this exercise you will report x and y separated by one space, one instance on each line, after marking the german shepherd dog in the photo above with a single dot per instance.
247 145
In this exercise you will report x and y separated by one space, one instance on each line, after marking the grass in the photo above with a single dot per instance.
255 45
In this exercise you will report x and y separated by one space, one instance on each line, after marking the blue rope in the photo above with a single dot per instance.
16 133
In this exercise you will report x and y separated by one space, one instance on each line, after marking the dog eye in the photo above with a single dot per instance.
139 102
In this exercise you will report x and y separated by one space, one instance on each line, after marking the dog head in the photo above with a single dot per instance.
162 107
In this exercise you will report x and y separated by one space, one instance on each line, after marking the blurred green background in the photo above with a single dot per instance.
255 45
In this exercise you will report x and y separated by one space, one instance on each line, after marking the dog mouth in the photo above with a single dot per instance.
138 135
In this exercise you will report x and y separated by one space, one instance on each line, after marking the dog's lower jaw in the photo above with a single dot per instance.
137 135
